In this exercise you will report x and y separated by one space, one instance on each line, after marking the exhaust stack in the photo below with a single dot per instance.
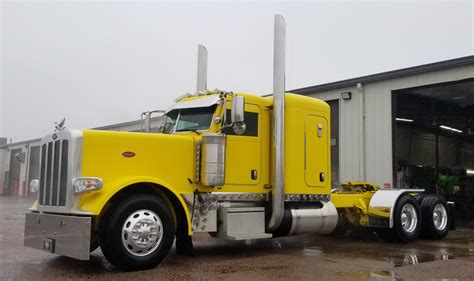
278 181
202 69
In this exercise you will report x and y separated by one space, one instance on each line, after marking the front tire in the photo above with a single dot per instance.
406 221
138 233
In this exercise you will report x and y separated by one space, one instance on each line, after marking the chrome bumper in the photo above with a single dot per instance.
63 235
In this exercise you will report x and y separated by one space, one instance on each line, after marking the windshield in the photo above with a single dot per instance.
189 119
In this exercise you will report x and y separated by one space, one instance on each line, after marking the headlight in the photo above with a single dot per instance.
34 184
83 185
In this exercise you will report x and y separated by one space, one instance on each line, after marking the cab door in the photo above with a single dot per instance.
244 152
316 151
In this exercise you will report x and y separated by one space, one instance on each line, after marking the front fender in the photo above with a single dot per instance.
94 202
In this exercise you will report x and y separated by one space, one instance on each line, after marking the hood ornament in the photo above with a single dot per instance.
59 126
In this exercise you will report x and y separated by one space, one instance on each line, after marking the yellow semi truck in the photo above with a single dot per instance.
234 165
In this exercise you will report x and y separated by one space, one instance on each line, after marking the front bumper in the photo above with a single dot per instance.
63 235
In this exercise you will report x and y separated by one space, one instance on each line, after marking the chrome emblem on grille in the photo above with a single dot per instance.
60 126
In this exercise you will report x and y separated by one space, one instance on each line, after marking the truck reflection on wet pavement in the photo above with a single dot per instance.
356 256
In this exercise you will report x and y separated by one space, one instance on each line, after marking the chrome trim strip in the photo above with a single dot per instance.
307 198
257 197
231 196
197 164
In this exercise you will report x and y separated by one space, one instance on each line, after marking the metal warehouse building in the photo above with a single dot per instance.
407 128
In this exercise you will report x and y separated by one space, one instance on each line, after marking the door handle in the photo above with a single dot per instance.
321 177
253 174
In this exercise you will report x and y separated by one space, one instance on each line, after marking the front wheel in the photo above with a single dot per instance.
138 234
406 221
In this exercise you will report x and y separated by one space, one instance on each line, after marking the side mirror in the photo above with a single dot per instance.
238 108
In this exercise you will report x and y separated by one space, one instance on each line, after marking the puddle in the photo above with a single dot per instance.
384 275
312 252
277 245
403 259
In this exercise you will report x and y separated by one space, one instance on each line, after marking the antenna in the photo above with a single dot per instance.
202 69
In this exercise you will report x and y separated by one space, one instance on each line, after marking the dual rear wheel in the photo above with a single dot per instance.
436 219
427 218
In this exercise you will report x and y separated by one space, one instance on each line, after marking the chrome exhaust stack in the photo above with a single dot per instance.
202 69
278 180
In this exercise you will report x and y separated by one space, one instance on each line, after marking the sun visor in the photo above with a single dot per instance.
195 103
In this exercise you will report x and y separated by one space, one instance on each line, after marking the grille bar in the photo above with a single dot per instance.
63 178
58 181
55 181
53 173
42 174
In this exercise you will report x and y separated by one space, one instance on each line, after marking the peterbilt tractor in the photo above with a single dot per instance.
234 165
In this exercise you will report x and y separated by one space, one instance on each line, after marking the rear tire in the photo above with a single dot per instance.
138 233
406 221
436 220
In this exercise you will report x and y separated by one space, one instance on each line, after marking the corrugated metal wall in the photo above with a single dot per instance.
376 154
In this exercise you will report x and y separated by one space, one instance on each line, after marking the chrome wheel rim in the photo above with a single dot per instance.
440 216
142 232
409 218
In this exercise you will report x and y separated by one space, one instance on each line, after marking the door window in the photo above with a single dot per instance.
251 124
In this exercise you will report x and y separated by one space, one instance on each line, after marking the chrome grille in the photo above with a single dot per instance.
53 173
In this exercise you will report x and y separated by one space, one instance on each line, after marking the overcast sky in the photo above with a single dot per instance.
99 63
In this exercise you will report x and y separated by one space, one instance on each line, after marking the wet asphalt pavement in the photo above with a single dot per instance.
353 257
